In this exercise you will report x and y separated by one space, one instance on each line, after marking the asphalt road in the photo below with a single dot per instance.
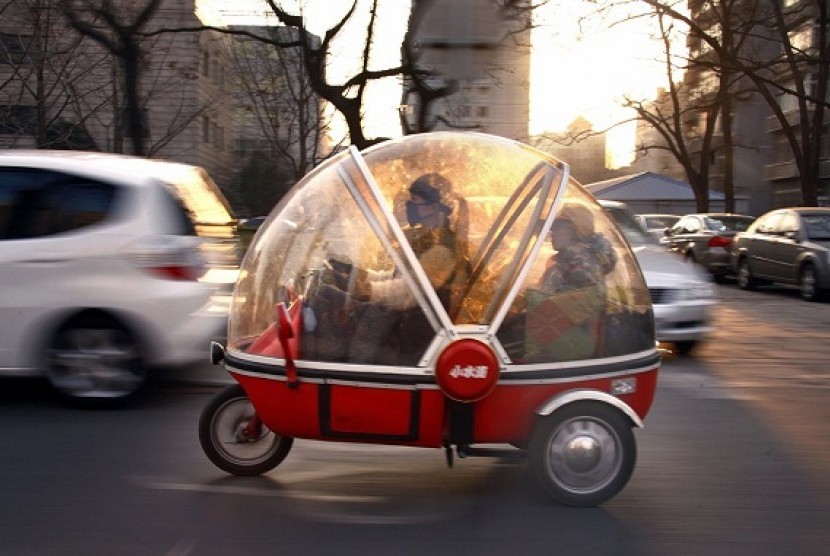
734 459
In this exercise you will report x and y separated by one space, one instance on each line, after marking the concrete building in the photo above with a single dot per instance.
764 170
75 100
653 153
583 148
805 30
471 42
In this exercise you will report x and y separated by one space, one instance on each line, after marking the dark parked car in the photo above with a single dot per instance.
791 246
706 239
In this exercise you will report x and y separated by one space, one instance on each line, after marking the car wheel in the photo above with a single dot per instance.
808 284
684 347
233 441
745 279
583 454
95 357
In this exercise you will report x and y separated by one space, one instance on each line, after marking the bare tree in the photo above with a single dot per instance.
140 77
674 118
799 73
790 74
278 110
347 97
118 30
42 78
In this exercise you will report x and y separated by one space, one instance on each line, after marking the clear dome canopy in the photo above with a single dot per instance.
383 257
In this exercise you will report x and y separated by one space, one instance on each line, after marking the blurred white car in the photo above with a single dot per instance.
681 293
109 266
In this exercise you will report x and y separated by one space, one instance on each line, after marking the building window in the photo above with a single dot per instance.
206 64
205 129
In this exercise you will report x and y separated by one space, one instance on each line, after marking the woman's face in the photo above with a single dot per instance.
562 233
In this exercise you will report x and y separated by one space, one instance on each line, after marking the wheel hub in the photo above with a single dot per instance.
582 454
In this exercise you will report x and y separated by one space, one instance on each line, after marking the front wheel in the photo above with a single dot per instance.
583 454
808 284
235 440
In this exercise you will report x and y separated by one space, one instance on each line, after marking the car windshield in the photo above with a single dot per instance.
728 223
818 226
632 231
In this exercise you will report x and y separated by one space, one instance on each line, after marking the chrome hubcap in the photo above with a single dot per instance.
583 455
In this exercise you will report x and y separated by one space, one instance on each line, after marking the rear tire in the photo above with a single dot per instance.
95 358
583 454
745 279
220 434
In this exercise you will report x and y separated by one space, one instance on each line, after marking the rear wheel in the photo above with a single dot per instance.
95 357
233 438
808 284
745 279
583 454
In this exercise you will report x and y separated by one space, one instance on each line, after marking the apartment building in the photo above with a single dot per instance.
804 31
61 90
488 57
582 147
764 168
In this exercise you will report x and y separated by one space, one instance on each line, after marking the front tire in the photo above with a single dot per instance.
94 357
808 283
583 454
221 427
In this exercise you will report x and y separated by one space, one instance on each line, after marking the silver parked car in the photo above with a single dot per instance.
790 246
706 239
681 293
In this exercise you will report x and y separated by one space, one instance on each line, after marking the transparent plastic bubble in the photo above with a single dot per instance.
381 257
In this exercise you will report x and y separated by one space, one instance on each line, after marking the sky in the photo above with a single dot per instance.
579 66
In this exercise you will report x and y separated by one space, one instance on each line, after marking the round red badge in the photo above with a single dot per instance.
467 370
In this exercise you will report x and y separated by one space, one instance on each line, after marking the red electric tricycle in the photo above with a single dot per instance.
447 290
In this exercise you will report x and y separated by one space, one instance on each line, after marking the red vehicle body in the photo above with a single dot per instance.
348 325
